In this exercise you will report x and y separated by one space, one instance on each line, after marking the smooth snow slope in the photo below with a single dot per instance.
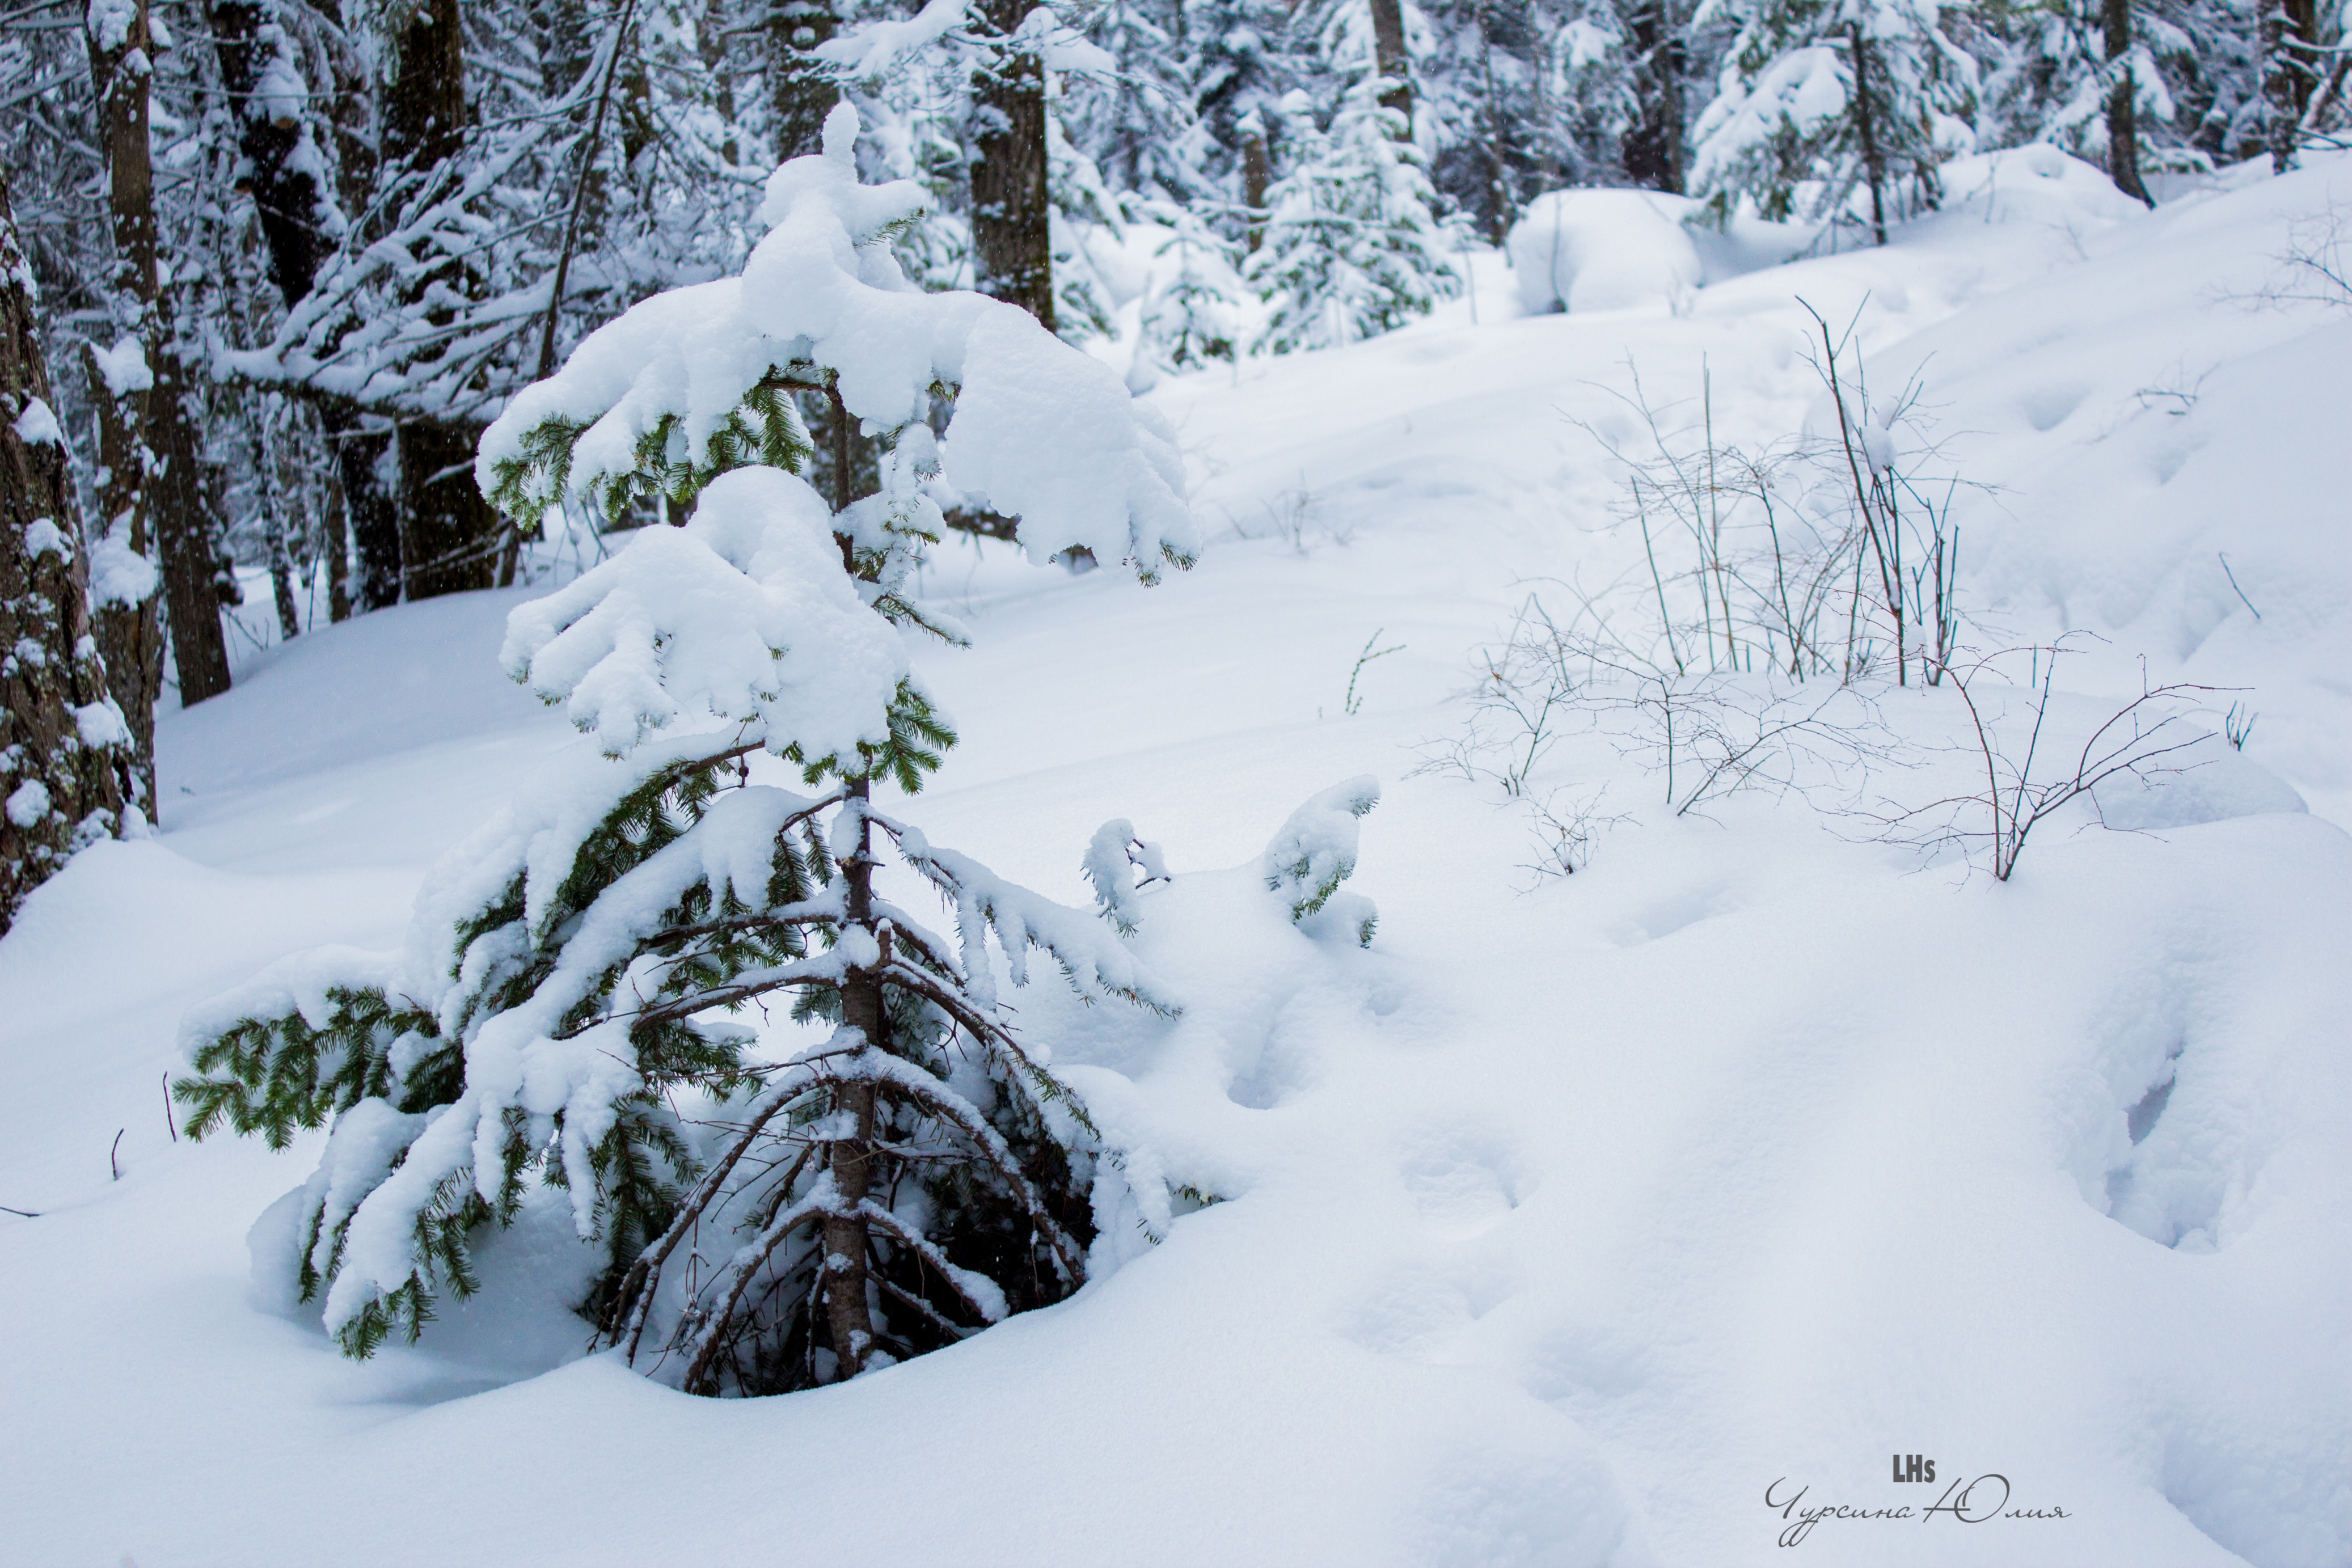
1562 1223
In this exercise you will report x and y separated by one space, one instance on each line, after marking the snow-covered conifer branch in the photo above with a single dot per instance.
1113 856
1040 433
1095 963
1316 851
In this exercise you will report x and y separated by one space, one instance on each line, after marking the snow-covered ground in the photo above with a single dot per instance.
1564 1222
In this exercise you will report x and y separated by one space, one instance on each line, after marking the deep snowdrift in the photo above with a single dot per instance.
1561 1223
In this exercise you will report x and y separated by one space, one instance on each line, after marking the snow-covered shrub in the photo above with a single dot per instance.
1315 852
918 1172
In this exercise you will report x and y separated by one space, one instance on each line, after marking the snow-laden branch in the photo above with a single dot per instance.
1039 433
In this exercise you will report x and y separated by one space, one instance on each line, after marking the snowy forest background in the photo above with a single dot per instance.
316 248
1568 755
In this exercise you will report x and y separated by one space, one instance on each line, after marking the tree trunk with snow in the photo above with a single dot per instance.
2290 33
151 495
1395 65
124 602
65 755
1873 166
1654 145
801 89
1257 175
1012 239
2122 108
290 206
448 534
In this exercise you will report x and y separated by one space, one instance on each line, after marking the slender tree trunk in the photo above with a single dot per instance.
1653 147
2123 109
360 452
1257 175
1871 162
450 544
57 789
800 90
152 493
848 1316
338 553
276 525
1012 247
1394 65
2290 30
850 456
129 630
449 533
711 43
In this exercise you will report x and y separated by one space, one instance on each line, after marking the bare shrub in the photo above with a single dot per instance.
1708 733
2024 786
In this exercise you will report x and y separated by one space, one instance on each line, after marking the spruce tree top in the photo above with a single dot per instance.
694 382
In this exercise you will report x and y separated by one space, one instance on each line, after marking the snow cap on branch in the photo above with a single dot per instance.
1041 431
1315 852
743 614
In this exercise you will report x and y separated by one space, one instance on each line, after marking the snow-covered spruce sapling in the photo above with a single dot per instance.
920 1172
1315 852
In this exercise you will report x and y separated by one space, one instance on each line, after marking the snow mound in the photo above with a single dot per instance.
1613 250
2215 785
2033 184
1603 250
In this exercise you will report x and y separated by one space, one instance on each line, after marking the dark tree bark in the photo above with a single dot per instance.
1256 174
1012 247
449 533
1395 67
129 636
285 195
1653 147
800 92
2123 109
288 202
450 544
2290 33
710 42
1872 164
147 436
56 790
848 1318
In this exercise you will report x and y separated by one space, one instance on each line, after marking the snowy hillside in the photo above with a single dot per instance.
1560 1223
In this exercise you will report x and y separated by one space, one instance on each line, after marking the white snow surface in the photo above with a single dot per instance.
123 367
1560 1224
39 423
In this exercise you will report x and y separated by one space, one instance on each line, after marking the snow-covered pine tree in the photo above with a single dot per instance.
918 1173
65 755
1193 310
1140 122
2157 85
1486 101
1819 99
1246 66
1351 247
1001 109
